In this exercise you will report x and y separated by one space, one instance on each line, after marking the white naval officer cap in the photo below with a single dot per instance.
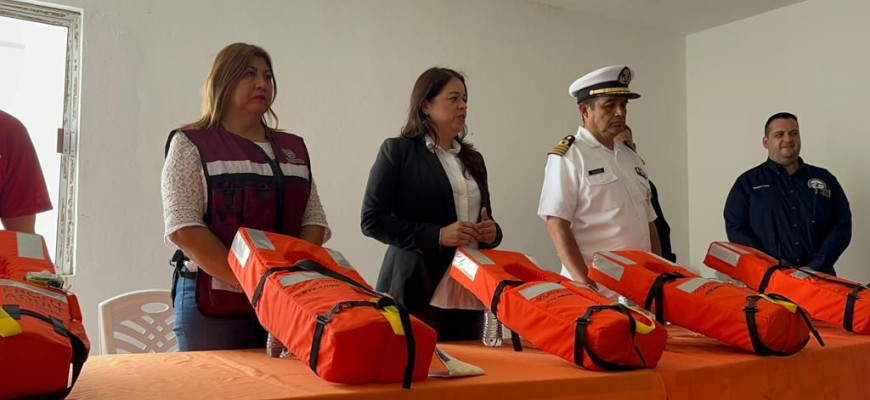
607 81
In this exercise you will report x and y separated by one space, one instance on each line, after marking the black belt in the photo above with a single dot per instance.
187 274
177 261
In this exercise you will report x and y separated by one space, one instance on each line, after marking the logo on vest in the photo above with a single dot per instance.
819 187
817 183
291 157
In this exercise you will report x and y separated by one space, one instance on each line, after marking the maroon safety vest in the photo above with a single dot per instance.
248 189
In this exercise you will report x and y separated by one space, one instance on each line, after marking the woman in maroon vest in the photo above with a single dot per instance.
232 169
427 194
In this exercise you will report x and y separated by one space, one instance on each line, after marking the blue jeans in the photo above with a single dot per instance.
198 332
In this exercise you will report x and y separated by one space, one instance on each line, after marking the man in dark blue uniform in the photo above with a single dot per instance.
791 210
626 137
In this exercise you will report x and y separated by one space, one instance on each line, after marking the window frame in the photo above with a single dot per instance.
71 18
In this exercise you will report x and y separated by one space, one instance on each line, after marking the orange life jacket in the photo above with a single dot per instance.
767 325
41 331
558 315
323 311
825 297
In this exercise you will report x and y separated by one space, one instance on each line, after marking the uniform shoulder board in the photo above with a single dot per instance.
563 145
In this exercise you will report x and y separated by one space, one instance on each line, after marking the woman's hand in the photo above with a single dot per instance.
486 229
459 233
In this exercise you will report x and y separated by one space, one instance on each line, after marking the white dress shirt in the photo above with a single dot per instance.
466 199
604 193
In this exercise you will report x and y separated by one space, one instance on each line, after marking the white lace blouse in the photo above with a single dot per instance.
185 198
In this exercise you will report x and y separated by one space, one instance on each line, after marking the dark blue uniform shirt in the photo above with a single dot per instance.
803 218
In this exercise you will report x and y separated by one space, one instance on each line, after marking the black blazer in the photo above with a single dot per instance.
407 201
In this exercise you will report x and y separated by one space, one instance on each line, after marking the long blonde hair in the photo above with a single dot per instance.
228 68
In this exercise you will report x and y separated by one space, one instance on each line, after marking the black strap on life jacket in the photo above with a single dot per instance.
496 297
849 312
79 350
581 345
306 265
765 280
751 309
255 297
323 319
382 303
851 298
657 293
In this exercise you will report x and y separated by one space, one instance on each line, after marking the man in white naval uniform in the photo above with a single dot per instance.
596 194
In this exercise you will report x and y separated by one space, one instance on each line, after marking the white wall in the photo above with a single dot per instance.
345 71
809 59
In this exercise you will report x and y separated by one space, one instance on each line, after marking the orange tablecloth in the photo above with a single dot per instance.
697 367
693 367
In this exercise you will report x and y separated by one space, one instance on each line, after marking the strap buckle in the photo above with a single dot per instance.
324 318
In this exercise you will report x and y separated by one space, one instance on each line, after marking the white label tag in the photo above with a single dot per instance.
241 250
465 264
30 246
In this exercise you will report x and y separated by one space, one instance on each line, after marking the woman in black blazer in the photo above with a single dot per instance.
427 194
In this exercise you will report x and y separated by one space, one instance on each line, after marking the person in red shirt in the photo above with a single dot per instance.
23 193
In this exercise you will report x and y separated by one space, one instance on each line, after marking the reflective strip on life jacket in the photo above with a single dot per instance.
693 284
617 257
470 260
726 254
339 258
539 289
61 297
292 279
240 250
466 265
608 267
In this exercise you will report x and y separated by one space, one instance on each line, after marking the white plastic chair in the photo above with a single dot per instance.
137 322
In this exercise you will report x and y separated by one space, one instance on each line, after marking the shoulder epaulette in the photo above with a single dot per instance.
563 145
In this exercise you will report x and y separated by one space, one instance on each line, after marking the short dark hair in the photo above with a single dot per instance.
589 101
779 115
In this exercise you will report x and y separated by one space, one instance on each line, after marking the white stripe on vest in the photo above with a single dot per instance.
250 167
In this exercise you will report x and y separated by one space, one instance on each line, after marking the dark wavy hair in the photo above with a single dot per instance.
428 85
